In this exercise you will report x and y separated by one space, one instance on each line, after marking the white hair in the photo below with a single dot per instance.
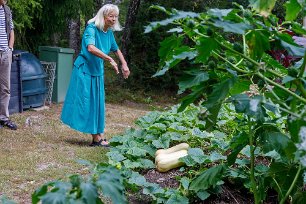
104 11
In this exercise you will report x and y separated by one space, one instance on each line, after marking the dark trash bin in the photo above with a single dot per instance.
33 80
15 105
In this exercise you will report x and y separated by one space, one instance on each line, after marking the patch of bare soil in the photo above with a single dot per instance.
230 194
170 180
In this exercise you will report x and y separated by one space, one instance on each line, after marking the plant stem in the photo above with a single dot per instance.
301 88
281 87
232 65
249 59
262 77
285 110
292 185
303 67
279 188
238 53
252 170
244 45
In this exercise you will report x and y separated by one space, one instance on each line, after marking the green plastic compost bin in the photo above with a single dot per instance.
63 57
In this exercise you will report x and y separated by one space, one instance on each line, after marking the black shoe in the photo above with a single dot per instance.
99 144
10 124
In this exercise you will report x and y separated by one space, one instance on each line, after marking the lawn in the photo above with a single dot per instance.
43 149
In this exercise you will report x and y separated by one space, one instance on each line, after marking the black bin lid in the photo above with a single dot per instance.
29 64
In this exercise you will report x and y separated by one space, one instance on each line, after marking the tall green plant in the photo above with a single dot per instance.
228 50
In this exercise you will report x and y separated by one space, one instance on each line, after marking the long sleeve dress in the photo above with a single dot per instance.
84 105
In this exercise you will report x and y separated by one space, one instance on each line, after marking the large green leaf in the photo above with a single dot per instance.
5 200
168 45
215 99
227 26
292 9
279 142
115 156
162 142
89 193
208 178
294 126
152 189
146 163
258 42
252 107
176 56
187 100
54 198
131 164
299 197
264 7
205 47
197 155
240 86
297 28
111 183
288 43
39 192
237 144
177 199
148 120
137 179
203 195
136 151
284 174
275 64
220 92
192 78
220 13
175 15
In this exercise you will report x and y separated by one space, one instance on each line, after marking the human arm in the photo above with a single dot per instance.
95 51
12 39
125 68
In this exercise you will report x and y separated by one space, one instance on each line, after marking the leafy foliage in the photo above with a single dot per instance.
257 31
107 180
143 51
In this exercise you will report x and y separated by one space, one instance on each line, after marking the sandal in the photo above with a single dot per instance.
99 144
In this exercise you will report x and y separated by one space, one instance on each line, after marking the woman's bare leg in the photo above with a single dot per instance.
96 137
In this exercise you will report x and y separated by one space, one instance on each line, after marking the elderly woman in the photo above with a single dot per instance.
84 106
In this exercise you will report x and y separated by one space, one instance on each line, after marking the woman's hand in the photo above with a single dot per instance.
114 64
125 71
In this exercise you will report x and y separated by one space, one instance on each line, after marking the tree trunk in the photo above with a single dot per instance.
74 35
98 5
55 38
130 20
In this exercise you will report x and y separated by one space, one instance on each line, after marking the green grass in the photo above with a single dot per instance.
43 149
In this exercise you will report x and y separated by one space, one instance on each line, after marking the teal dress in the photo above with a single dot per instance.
84 105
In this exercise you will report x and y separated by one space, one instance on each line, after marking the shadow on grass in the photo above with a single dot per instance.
77 142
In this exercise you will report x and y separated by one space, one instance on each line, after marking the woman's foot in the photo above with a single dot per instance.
98 140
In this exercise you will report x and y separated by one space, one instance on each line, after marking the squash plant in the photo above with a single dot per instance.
104 180
228 52
135 150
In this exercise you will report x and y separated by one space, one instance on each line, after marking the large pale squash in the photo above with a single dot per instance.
167 159
181 146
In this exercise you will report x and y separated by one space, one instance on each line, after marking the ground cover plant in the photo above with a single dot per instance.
229 49
247 130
